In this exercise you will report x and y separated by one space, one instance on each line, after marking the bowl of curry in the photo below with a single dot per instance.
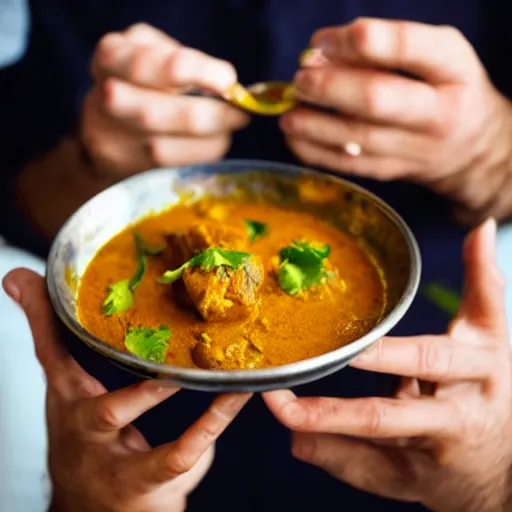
233 276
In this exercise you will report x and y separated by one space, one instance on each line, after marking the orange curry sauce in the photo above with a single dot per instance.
288 329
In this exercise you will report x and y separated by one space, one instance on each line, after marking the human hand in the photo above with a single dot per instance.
450 446
135 119
451 130
99 461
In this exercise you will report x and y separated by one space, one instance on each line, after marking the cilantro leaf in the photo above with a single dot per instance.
120 294
139 273
290 277
148 343
207 260
169 276
214 257
306 251
306 257
255 229
119 298
443 297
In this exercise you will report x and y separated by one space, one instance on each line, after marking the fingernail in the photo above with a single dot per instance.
12 290
293 414
313 57
487 231
490 226
363 356
324 45
366 354
155 386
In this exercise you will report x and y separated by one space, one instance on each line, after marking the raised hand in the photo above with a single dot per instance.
445 438
98 460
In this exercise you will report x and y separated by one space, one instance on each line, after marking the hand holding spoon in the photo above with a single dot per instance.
265 98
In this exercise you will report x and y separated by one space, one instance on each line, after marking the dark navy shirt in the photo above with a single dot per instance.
40 99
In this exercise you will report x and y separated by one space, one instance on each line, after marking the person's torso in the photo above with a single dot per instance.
254 469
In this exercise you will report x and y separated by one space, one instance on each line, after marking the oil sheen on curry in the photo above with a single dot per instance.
221 284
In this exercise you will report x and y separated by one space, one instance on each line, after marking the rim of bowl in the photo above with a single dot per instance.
252 376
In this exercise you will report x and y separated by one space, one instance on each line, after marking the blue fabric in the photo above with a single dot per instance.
14 24
24 484
253 469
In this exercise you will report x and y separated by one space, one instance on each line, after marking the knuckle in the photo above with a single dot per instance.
140 31
107 416
318 410
464 421
401 43
139 67
86 388
373 411
374 97
156 151
210 432
317 82
323 84
149 116
445 116
460 47
453 35
433 360
360 29
106 49
179 461
363 36
178 64
440 126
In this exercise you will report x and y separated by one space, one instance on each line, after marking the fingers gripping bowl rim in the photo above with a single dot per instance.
355 209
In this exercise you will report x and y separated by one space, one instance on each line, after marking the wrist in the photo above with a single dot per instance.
52 187
483 187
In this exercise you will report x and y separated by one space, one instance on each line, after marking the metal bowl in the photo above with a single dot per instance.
338 201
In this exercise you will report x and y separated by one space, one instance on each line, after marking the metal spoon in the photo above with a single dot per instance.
269 98
264 98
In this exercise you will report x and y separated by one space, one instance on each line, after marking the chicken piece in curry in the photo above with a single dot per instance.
224 294
230 285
